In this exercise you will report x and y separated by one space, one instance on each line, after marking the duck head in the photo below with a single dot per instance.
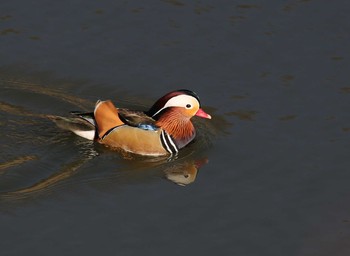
183 101
173 113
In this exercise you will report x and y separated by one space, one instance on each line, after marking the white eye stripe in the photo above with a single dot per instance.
180 101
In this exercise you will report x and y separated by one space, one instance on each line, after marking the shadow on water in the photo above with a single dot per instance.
39 158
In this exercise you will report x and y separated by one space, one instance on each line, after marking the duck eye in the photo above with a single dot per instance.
188 105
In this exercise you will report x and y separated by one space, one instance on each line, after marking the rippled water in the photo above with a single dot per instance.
268 175
32 139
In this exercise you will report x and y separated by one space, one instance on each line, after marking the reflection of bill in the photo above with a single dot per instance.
184 173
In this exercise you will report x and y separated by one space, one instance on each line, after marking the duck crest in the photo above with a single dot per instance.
177 126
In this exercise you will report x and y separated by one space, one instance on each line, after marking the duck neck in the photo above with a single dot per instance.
179 127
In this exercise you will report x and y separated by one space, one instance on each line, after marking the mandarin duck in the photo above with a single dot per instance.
164 129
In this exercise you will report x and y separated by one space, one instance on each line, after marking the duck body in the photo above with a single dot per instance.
162 130
138 140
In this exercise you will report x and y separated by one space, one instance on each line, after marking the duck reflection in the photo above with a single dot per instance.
179 170
184 173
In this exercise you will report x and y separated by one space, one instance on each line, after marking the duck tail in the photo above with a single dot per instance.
83 127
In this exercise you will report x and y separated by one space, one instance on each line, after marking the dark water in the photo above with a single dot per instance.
268 175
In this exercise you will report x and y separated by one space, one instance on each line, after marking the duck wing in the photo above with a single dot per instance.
89 117
137 119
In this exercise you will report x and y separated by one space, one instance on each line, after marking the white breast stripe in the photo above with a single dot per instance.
172 143
165 143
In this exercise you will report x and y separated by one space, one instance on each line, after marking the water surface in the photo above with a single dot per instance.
268 175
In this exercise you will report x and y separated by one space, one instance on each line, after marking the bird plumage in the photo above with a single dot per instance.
164 129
